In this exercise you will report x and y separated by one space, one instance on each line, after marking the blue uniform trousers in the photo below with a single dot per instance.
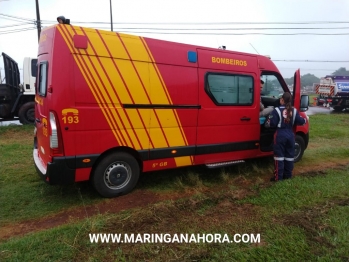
283 153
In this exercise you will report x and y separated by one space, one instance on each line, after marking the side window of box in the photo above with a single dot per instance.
42 87
230 89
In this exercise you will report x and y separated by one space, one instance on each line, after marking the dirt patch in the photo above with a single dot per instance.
16 135
209 212
321 167
310 220
136 199
142 198
205 211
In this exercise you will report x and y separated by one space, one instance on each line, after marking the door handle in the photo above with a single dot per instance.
245 118
37 120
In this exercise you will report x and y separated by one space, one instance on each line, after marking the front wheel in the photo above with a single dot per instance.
116 174
299 148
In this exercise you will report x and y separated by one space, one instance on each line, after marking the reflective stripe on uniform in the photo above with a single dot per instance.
279 113
293 117
289 159
279 158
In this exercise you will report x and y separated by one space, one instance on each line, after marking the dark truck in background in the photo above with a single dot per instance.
333 92
16 99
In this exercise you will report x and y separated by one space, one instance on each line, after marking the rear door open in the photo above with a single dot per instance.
41 114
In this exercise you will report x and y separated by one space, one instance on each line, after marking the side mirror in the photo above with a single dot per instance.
304 103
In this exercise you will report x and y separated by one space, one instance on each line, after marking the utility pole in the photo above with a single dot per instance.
38 21
111 17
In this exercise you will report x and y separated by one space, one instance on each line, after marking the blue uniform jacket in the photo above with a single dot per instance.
278 117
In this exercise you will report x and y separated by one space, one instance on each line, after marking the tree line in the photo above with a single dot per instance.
309 79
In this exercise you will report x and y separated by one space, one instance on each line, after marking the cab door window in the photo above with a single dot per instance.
42 87
34 67
229 89
272 86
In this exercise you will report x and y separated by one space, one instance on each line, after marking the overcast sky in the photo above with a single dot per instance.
201 14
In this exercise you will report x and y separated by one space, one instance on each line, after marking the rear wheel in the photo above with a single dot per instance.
116 174
299 148
26 113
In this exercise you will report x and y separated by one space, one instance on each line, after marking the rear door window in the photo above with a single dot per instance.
43 79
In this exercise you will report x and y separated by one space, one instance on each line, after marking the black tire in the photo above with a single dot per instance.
26 113
338 108
299 148
116 174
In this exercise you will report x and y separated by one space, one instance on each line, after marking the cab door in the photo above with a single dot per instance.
12 81
297 90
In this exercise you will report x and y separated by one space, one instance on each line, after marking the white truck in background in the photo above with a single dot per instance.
333 92
17 100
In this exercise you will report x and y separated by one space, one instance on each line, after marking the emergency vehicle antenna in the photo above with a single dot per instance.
254 48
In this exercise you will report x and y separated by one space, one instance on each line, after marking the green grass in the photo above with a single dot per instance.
304 191
23 195
303 219
327 127
338 221
296 227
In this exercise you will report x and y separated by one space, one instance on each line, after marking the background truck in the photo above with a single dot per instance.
333 92
17 100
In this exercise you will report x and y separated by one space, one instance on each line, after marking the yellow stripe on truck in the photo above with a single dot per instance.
66 34
135 86
112 68
183 161
108 90
176 135
120 120
119 69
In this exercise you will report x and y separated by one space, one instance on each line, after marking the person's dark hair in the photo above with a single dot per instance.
287 97
262 82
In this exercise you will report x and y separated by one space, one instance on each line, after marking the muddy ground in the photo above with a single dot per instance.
142 198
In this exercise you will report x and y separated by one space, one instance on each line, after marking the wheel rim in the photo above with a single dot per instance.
297 150
117 175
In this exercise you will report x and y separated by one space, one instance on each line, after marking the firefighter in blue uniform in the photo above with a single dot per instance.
284 117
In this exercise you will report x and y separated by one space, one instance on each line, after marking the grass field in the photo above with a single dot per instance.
303 219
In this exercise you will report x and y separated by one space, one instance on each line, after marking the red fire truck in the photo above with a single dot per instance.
111 105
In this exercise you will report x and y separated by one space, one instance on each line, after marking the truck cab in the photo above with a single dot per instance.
16 99
29 75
